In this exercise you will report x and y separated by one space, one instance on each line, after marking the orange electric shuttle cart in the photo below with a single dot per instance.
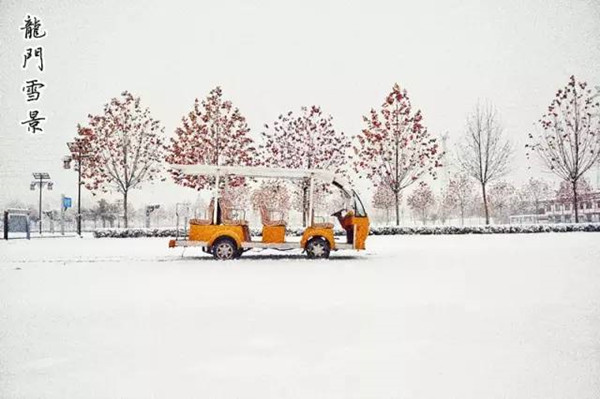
225 233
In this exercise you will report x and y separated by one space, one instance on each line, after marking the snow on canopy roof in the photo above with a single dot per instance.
264 172
256 171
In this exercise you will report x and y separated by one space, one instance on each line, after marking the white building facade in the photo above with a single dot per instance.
555 211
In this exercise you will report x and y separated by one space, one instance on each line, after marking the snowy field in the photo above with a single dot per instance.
485 316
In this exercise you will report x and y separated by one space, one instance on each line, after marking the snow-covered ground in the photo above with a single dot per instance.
483 316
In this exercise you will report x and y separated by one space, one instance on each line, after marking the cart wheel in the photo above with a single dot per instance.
225 249
317 247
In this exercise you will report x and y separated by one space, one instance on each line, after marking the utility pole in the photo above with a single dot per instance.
41 179
62 214
78 153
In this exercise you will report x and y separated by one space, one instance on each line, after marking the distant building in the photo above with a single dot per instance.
556 211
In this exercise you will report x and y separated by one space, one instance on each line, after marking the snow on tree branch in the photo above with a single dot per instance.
124 147
305 140
568 138
395 147
213 132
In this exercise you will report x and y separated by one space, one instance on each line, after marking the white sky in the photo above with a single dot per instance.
271 57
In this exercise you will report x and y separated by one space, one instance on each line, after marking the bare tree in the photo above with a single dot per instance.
460 189
568 142
503 200
535 191
484 153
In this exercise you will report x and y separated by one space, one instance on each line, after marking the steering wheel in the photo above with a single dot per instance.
338 213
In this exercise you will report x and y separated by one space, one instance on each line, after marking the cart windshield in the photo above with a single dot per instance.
359 209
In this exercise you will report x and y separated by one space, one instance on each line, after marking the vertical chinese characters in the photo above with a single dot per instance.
33 55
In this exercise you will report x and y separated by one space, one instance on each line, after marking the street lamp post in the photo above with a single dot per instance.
41 179
78 153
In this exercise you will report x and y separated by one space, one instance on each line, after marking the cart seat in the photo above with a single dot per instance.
200 222
209 215
323 225
232 216
235 222
268 217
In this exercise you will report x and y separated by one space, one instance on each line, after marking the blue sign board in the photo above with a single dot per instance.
66 202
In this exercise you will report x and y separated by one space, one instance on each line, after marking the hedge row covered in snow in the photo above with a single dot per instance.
390 230
137 232
490 229
170 232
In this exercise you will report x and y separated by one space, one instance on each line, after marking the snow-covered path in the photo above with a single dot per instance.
502 316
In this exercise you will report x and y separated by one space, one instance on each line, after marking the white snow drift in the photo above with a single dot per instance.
477 316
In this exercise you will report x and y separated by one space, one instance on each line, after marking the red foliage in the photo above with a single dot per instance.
395 147
568 141
383 198
124 146
305 141
421 200
272 194
237 195
213 132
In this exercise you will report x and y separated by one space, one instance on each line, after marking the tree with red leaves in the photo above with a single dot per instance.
272 194
421 200
568 141
214 132
124 148
307 140
384 199
237 195
395 147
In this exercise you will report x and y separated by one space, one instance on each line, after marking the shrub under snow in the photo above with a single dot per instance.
489 229
388 230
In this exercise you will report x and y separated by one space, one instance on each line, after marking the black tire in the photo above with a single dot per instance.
318 248
239 253
224 249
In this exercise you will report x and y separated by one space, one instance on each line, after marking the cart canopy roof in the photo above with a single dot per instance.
265 172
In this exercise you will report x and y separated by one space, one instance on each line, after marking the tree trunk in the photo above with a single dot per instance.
462 216
305 207
575 201
485 204
125 224
397 208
